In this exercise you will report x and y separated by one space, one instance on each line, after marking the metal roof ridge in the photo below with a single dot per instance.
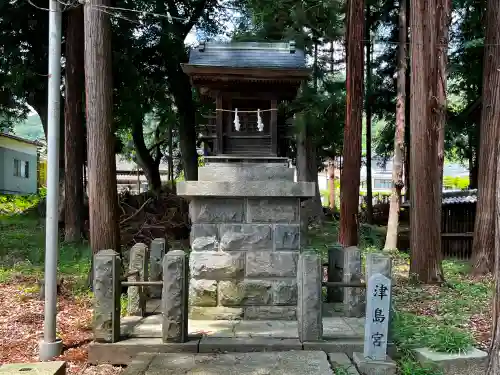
276 46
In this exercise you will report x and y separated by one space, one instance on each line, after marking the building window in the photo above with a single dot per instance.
17 168
21 168
382 184
26 172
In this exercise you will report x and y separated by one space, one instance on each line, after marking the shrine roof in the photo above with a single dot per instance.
248 55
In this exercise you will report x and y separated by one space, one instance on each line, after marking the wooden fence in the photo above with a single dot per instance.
457 230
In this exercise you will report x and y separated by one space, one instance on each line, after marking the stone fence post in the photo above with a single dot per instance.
155 264
138 265
106 319
175 297
335 271
309 306
353 297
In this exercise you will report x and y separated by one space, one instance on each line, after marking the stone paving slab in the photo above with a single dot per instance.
272 363
37 368
246 345
333 328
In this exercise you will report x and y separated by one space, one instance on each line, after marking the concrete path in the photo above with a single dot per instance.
271 363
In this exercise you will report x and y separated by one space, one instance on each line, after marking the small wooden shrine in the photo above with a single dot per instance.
247 81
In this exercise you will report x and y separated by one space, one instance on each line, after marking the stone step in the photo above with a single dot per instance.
122 352
275 363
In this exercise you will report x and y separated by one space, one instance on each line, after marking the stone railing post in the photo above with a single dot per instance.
157 251
175 297
335 271
138 265
353 297
309 312
106 319
378 263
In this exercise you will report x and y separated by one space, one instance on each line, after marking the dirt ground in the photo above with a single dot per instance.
21 327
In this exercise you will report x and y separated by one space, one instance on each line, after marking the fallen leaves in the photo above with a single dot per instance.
21 328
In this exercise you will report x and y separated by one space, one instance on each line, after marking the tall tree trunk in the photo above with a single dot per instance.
443 19
187 129
406 169
491 116
483 248
103 197
331 184
316 207
307 171
170 153
350 177
148 164
368 110
391 240
74 136
425 241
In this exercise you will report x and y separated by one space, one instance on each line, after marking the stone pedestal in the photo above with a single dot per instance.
245 240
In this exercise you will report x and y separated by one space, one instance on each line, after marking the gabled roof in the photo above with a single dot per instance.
19 139
248 55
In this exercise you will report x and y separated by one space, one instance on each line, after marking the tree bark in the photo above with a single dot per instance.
74 136
368 110
331 184
148 164
483 248
307 171
103 197
443 20
391 240
425 236
406 168
316 208
350 177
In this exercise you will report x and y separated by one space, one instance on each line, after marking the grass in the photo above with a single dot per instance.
22 239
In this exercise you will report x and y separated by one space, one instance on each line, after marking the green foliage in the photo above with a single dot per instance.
22 252
15 204
456 182
415 331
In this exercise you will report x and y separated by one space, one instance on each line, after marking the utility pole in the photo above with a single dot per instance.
51 346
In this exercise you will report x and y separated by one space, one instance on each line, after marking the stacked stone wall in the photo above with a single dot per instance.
243 262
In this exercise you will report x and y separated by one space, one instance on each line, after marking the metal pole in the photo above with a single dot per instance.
51 346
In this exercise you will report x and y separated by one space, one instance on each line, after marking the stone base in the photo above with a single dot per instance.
123 352
247 345
40 368
369 367
474 362
276 363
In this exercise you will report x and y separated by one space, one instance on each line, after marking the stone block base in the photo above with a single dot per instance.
39 368
369 367
474 362
247 345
